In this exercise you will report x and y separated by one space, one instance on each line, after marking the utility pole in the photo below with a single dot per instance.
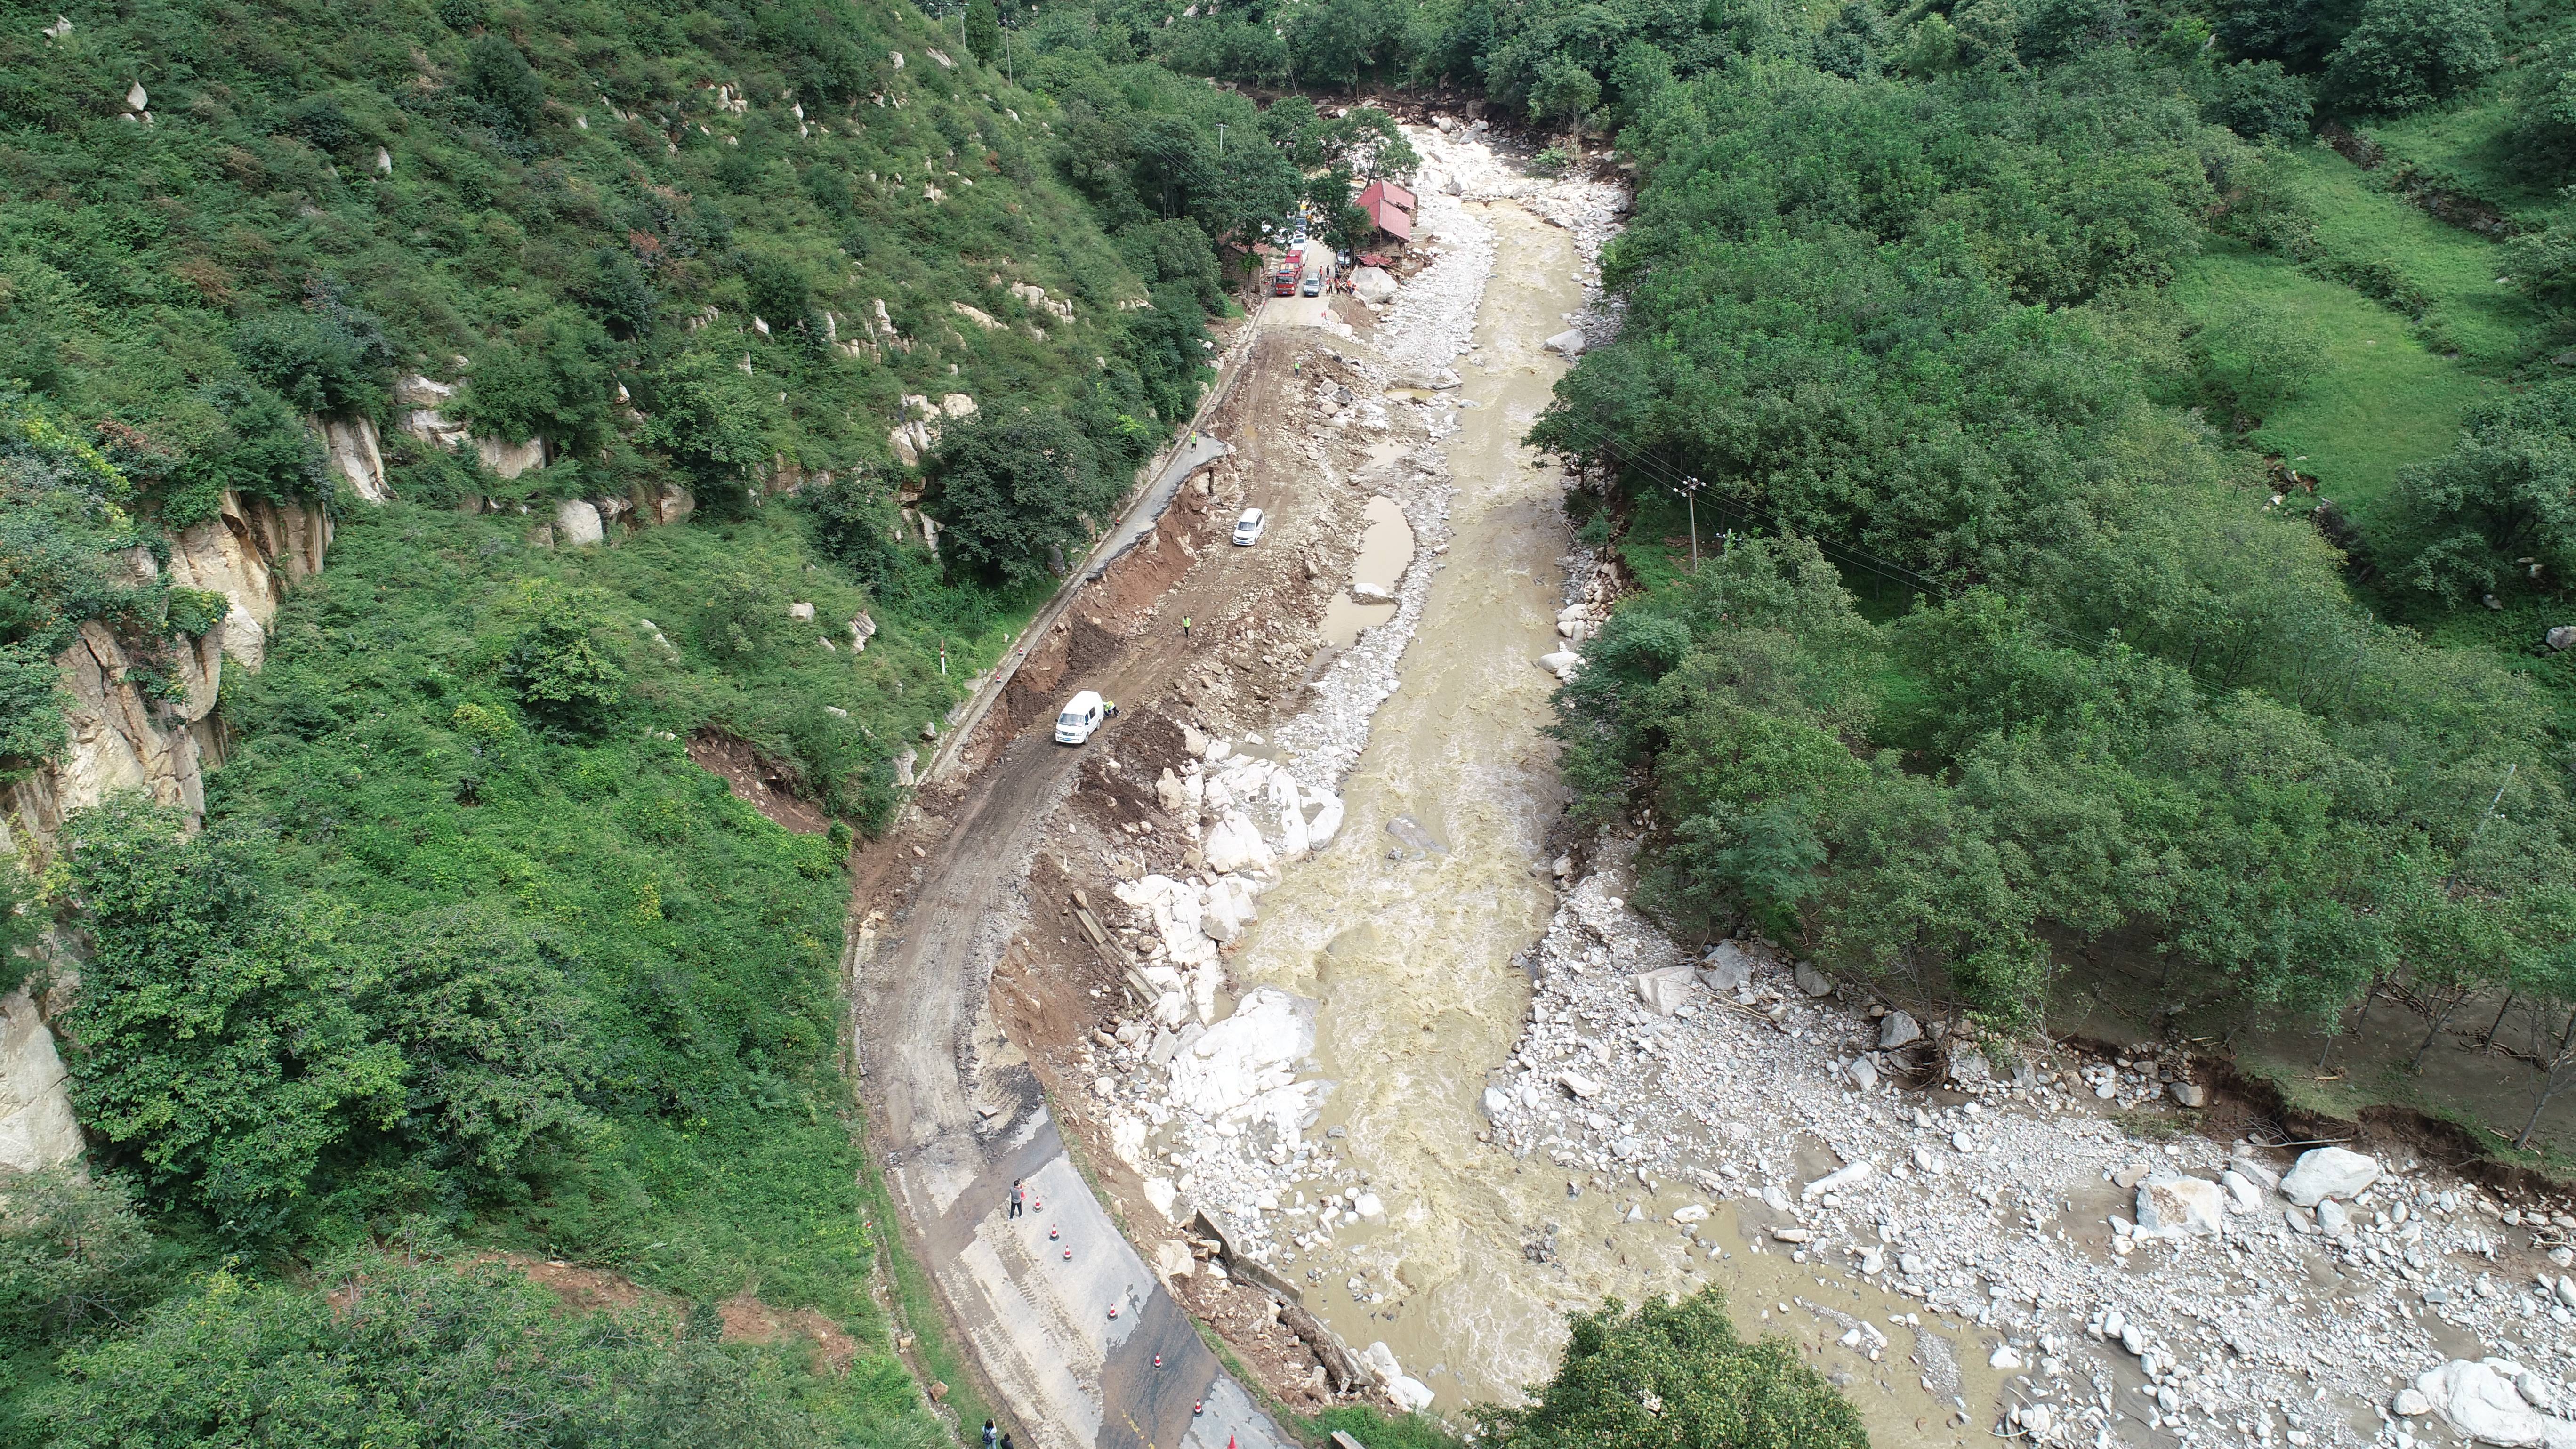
1220 140
1689 490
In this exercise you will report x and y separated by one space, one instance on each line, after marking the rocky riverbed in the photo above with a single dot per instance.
1973 1237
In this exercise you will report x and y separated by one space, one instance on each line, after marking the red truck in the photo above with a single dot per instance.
1283 283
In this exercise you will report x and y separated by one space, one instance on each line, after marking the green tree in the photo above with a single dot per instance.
1015 489
550 381
703 412
2543 137
73 1251
222 1045
2506 491
500 88
500 1046
562 675
984 31
1563 93
2406 54
1671 1373
2252 358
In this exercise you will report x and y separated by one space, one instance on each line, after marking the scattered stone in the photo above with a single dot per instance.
1578 1085
1569 342
1841 1177
1812 981
2190 1094
1897 1029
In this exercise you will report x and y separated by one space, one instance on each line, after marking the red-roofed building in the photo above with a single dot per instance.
1386 216
1388 191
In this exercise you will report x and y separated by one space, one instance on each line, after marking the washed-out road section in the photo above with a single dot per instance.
959 1117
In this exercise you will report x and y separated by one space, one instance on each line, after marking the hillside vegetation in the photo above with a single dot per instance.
470 953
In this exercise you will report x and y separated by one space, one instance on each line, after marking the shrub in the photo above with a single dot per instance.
406 1350
327 357
2251 358
2543 137
73 1251
500 89
1672 1373
2259 101
2506 491
550 381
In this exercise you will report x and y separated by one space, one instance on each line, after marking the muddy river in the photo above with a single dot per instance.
1413 958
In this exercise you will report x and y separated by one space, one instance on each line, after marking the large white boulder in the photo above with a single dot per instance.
1372 284
1229 908
2180 1207
1665 991
1233 843
1326 822
1850 1174
1409 1393
2242 1195
1569 342
2480 1400
1249 1053
577 524
2329 1172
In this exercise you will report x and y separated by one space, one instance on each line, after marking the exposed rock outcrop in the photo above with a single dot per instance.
356 456
36 1125
424 402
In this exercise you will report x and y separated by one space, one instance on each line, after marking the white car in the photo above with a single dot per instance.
1082 715
1247 529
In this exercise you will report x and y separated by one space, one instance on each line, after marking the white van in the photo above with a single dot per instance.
1247 529
1082 714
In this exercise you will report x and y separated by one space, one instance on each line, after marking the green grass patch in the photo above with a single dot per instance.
2380 400
2445 273
1379 1430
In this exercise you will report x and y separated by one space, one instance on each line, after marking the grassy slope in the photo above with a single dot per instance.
2379 403
2361 222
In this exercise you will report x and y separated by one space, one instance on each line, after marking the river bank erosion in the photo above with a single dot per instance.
1380 1075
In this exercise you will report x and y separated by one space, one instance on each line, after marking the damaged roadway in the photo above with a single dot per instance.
958 1112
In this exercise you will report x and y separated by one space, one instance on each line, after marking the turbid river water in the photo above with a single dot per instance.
1413 959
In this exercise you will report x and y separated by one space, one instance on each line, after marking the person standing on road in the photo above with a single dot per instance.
1185 626
1017 1193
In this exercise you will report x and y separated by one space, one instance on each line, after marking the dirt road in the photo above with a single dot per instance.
958 1114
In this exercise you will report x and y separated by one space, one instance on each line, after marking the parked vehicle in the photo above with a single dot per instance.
1082 714
1314 286
1247 529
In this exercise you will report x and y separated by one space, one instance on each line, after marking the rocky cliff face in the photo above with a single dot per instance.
124 739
